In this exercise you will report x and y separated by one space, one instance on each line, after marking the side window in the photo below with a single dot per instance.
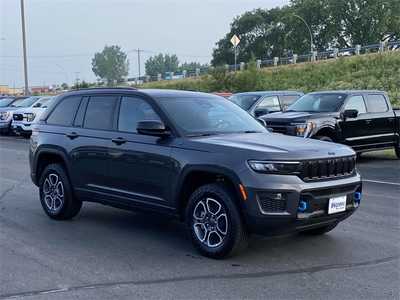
287 100
132 111
64 113
356 102
271 103
100 112
376 103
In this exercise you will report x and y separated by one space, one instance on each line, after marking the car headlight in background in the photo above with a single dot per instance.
4 115
29 117
275 167
304 129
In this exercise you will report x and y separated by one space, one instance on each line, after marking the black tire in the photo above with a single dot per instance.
320 230
227 219
52 181
323 138
397 151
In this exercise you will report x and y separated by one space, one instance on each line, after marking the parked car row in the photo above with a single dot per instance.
362 119
18 114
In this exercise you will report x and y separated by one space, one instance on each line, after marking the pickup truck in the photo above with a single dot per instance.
261 103
364 120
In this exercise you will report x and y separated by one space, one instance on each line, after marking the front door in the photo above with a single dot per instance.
355 130
141 165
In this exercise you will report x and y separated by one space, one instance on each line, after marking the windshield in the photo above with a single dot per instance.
6 102
25 102
244 101
43 102
318 103
208 115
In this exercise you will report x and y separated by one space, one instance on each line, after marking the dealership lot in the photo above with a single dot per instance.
106 253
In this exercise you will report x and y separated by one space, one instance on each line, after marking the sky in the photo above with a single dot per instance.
63 35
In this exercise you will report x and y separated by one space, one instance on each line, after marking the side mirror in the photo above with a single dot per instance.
258 112
350 113
155 128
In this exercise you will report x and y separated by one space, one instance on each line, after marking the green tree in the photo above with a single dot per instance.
334 23
160 64
111 65
192 66
64 86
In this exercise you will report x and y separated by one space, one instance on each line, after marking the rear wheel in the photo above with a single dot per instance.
214 221
56 194
320 230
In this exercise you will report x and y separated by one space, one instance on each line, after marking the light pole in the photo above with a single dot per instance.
24 48
309 30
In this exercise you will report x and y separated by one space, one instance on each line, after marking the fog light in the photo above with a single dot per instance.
302 206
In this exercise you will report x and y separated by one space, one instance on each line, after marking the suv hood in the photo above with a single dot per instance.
297 116
271 146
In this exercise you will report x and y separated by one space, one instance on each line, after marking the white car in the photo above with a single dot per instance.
23 118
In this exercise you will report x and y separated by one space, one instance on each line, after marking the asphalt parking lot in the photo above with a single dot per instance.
106 253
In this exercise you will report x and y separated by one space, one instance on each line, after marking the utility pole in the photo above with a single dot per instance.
138 58
24 48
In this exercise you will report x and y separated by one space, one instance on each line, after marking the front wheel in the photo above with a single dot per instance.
323 138
214 222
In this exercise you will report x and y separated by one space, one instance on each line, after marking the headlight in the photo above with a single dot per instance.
304 129
4 115
29 117
276 167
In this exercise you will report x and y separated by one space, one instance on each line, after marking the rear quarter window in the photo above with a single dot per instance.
64 113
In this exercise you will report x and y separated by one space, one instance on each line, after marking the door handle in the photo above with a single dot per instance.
368 121
72 135
119 141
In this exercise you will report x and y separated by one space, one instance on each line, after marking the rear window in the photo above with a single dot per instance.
100 112
64 112
376 103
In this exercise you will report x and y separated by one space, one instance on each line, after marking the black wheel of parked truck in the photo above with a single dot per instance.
56 194
397 150
215 224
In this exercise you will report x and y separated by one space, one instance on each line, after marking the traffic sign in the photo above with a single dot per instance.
235 40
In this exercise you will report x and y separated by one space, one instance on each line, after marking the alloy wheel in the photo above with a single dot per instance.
53 190
210 222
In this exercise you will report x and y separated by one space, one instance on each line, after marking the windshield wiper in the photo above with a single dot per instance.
202 134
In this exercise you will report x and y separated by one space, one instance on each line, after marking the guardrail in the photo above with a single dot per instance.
277 61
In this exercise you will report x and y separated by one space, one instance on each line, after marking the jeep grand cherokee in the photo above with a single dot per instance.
190 155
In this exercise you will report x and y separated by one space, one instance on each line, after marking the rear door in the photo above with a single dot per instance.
91 143
141 165
355 130
382 122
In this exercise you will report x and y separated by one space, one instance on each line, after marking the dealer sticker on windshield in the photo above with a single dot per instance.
337 204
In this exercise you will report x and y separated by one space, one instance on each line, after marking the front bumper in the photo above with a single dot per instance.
267 214
20 127
5 125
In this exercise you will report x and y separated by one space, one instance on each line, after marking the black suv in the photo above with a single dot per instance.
194 156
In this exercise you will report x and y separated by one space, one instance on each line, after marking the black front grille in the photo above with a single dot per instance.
272 202
18 117
328 168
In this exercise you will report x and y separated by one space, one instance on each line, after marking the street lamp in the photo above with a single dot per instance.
24 48
309 30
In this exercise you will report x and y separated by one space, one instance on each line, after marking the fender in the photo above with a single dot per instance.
202 168
49 149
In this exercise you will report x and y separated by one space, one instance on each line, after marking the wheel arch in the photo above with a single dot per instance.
46 156
195 176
